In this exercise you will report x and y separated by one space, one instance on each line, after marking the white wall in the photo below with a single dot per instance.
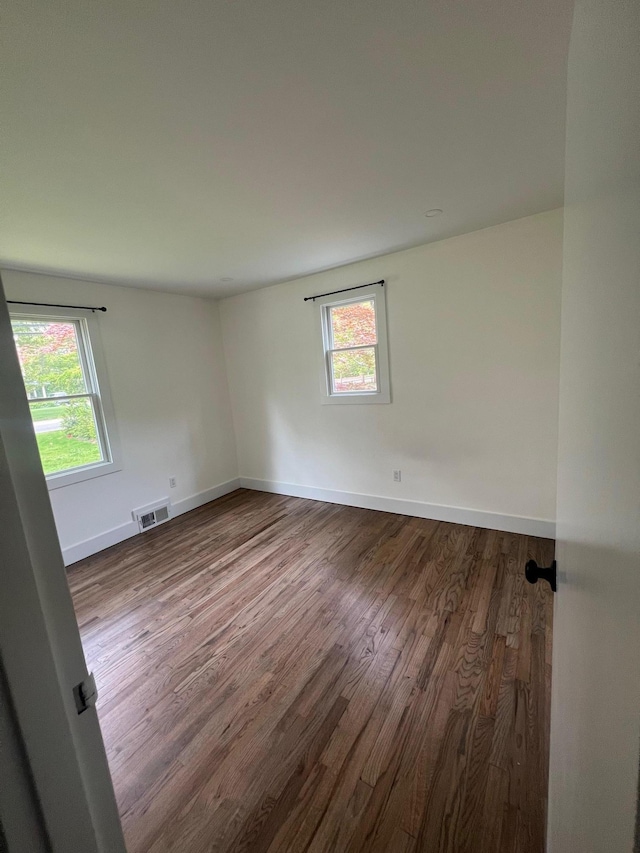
474 347
595 720
474 340
168 382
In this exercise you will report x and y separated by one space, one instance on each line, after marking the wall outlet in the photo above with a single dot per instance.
172 482
397 475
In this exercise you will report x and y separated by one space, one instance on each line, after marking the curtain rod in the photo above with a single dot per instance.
55 305
333 292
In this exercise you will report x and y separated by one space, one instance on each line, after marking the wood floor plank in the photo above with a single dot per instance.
278 674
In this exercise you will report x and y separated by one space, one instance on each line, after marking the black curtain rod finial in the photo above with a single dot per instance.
344 290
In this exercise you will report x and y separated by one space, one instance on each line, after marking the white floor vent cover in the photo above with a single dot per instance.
153 514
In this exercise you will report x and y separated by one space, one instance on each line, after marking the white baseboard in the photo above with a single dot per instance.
458 515
419 509
187 504
73 553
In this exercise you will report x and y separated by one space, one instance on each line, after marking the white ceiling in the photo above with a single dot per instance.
173 143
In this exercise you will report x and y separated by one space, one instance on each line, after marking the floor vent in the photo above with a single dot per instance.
152 515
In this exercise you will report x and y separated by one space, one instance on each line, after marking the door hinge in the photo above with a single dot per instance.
85 693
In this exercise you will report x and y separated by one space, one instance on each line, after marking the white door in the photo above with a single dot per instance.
67 785
595 719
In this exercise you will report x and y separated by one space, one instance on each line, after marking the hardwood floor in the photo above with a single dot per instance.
281 674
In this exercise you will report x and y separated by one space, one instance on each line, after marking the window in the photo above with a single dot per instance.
355 364
61 366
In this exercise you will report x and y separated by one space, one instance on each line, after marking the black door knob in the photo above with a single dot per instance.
533 573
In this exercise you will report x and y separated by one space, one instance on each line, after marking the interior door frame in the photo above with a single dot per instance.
40 649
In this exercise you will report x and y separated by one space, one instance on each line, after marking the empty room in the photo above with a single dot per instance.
319 470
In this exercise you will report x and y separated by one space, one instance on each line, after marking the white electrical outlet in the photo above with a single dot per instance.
172 482
397 475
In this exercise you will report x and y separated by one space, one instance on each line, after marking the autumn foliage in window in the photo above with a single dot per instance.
353 344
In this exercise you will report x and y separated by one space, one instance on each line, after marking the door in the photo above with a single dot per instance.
57 745
595 719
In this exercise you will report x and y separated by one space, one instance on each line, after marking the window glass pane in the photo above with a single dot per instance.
49 357
66 433
354 324
354 370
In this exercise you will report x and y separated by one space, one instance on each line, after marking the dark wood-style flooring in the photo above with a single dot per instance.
278 674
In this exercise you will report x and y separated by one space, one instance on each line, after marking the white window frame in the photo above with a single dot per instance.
375 292
94 369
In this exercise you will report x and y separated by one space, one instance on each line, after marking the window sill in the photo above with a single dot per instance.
358 399
78 475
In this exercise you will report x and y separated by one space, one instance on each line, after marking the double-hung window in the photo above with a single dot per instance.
66 386
355 359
